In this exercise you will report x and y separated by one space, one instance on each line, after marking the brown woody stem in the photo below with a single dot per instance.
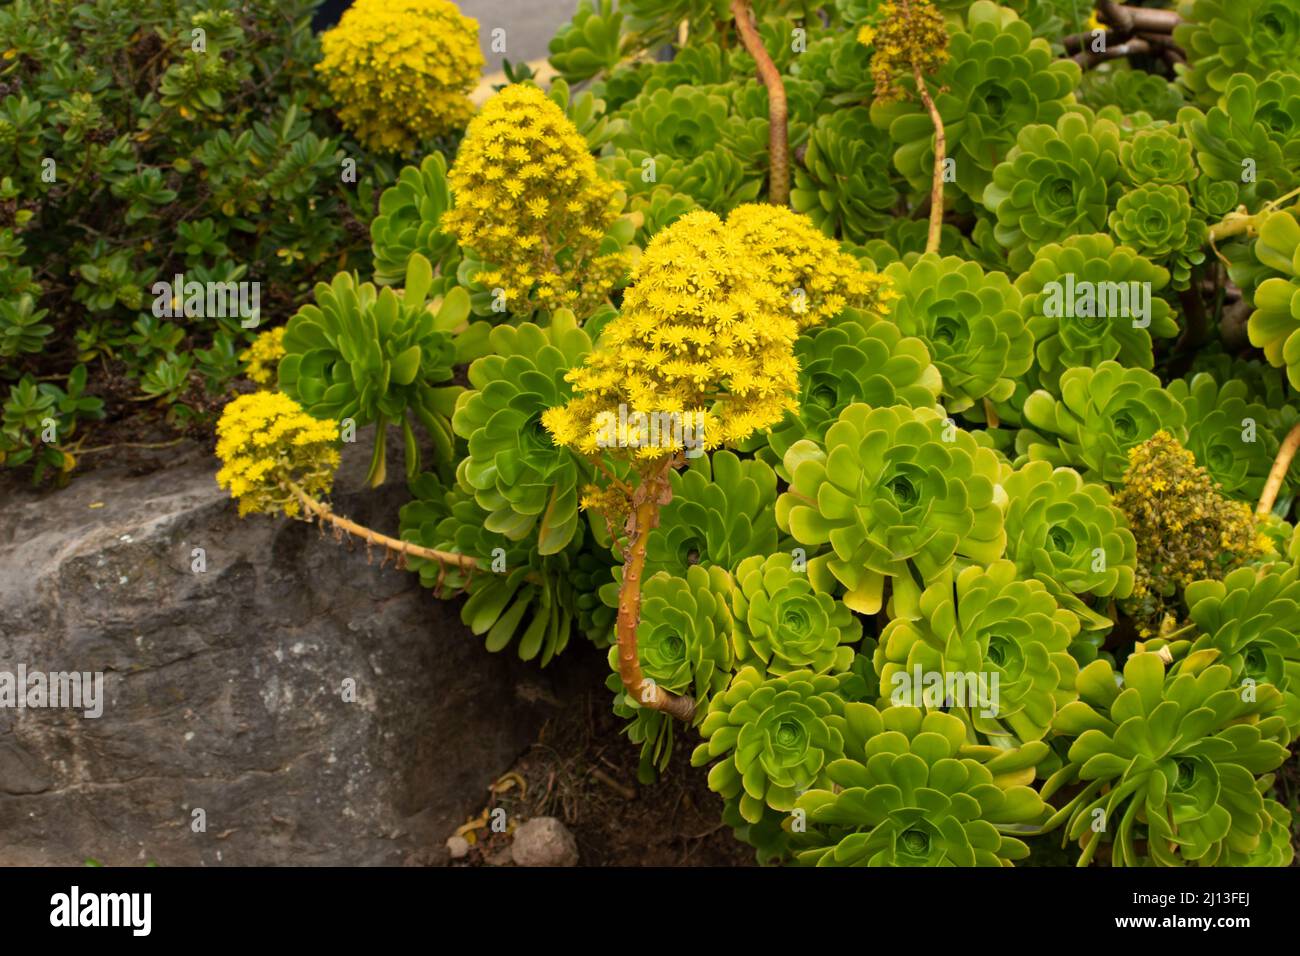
1281 464
1130 19
644 518
778 137
322 512
940 151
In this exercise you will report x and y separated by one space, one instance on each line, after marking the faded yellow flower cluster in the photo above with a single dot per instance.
263 356
532 206
1186 529
706 335
819 280
400 71
910 36
265 440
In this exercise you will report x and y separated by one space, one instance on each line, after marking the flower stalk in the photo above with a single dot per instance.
324 513
1281 464
649 496
778 144
940 152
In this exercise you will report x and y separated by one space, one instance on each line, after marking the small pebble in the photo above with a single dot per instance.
544 841
458 847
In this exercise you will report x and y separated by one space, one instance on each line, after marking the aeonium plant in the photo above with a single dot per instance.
700 357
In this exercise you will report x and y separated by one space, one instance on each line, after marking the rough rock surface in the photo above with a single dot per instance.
544 841
224 688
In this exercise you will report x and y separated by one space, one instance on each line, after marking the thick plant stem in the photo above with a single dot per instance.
778 137
1281 464
940 150
1240 222
1129 19
643 519
322 512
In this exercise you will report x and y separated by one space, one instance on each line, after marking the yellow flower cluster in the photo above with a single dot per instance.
706 335
818 279
1185 528
265 441
400 71
263 356
531 204
912 36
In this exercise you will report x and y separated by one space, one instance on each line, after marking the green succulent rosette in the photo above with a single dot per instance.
518 595
841 64
589 42
769 836
838 185
694 65
1057 181
998 79
719 181
1274 324
410 214
684 642
1229 434
1249 618
658 201
1166 763
1160 223
781 38
1274 847
784 625
1251 136
917 794
990 647
900 495
1131 91
592 571
1227 38
1081 303
748 132
526 483
1068 534
1101 414
1265 384
776 736
720 513
366 355
971 322
1157 157
856 358
680 123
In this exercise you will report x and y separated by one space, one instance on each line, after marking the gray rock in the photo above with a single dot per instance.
224 689
544 841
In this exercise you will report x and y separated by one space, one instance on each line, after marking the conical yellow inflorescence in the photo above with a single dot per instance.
265 440
532 206
702 354
400 71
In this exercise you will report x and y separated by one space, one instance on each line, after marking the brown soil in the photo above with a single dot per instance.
583 771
